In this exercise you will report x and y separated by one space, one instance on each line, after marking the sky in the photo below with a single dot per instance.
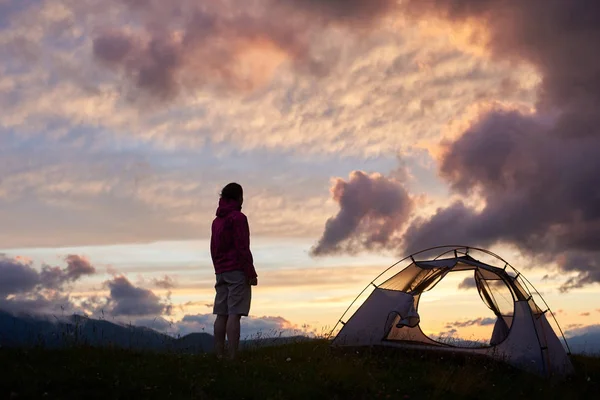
361 131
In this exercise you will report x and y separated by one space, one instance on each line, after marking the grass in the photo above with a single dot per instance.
304 370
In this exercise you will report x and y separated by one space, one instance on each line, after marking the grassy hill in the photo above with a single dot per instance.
303 370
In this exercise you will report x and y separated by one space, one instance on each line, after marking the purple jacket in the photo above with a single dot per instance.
230 240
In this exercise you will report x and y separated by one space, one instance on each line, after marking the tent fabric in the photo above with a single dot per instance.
521 336
368 324
500 332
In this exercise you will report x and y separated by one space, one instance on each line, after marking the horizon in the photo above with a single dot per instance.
361 132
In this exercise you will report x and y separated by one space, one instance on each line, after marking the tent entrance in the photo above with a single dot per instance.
453 314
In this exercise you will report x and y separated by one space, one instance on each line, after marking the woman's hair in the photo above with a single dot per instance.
232 191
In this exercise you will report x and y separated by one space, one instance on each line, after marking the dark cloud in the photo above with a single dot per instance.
534 184
16 277
128 300
372 209
538 187
467 283
356 12
113 47
56 277
446 226
472 322
587 267
77 267
166 282
25 289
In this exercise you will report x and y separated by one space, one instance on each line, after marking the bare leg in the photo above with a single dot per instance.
220 329
233 334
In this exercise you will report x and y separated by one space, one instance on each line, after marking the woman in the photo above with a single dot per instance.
234 268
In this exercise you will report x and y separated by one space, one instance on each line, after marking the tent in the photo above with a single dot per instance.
522 334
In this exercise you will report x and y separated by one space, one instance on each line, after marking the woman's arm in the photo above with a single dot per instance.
242 244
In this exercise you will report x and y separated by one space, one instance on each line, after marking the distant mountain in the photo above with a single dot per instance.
195 343
50 332
26 330
587 343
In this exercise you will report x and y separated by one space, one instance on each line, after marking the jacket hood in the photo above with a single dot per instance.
226 206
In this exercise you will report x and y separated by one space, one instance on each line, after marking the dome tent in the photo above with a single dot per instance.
522 334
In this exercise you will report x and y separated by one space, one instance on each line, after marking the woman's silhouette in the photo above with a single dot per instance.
234 268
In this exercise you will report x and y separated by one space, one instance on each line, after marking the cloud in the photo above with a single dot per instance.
397 77
378 71
372 209
166 282
125 299
56 278
472 322
186 44
252 327
49 290
25 289
534 172
17 277
20 277
587 267
585 314
537 187
86 199
467 283
354 12
268 325
448 333
78 266
275 279
571 327
554 36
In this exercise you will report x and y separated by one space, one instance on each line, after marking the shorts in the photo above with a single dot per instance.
233 295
